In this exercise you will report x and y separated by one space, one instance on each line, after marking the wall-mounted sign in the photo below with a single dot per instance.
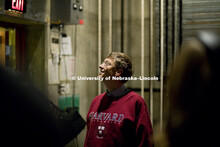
16 5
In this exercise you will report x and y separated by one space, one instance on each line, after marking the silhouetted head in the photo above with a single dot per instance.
194 92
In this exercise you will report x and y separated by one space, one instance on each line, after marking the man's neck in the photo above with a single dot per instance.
112 85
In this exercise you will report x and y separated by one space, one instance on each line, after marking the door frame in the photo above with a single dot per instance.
20 44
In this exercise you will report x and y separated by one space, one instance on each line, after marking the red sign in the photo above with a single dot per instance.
17 5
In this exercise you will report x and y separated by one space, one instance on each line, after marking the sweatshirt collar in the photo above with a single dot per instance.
119 92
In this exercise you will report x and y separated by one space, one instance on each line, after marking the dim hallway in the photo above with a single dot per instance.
58 46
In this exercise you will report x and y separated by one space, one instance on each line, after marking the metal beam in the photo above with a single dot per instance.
142 47
99 39
151 56
162 58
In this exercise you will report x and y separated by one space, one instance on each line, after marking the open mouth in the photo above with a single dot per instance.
101 72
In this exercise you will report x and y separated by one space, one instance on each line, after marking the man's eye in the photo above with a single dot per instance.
107 63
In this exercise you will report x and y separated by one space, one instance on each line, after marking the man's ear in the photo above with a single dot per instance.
118 72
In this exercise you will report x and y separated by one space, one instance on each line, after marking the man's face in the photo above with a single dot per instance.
107 68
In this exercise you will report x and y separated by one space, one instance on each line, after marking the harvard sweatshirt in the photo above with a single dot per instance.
118 122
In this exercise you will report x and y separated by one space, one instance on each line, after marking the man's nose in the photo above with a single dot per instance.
101 66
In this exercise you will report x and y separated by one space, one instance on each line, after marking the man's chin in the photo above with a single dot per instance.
100 75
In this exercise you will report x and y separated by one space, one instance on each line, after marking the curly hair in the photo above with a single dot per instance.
122 62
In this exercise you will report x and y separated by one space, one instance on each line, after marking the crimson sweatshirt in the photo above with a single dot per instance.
118 122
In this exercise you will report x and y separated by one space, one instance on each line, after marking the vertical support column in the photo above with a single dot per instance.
176 47
47 45
99 39
46 54
75 49
122 26
142 47
151 56
180 21
162 62
61 42
110 26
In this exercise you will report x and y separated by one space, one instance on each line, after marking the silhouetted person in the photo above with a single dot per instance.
27 118
194 88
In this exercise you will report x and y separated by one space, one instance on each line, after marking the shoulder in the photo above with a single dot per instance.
141 108
95 103
98 98
134 100
136 97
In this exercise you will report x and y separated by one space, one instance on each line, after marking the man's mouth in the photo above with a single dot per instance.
101 72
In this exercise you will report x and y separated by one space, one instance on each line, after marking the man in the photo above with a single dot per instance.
118 117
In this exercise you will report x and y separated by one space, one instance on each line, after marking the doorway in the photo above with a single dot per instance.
12 47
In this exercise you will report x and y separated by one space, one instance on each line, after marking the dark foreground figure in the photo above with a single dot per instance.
27 118
194 94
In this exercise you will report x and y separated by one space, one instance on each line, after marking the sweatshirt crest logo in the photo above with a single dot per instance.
101 131
106 117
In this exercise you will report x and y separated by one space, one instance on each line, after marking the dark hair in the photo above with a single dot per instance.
15 74
193 93
123 62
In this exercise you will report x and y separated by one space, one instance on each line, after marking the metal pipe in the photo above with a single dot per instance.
46 56
110 26
61 42
173 29
176 47
166 52
122 26
180 21
151 56
75 47
99 39
162 62
142 47
125 27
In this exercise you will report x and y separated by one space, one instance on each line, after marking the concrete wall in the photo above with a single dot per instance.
86 59
85 46
35 55
85 49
